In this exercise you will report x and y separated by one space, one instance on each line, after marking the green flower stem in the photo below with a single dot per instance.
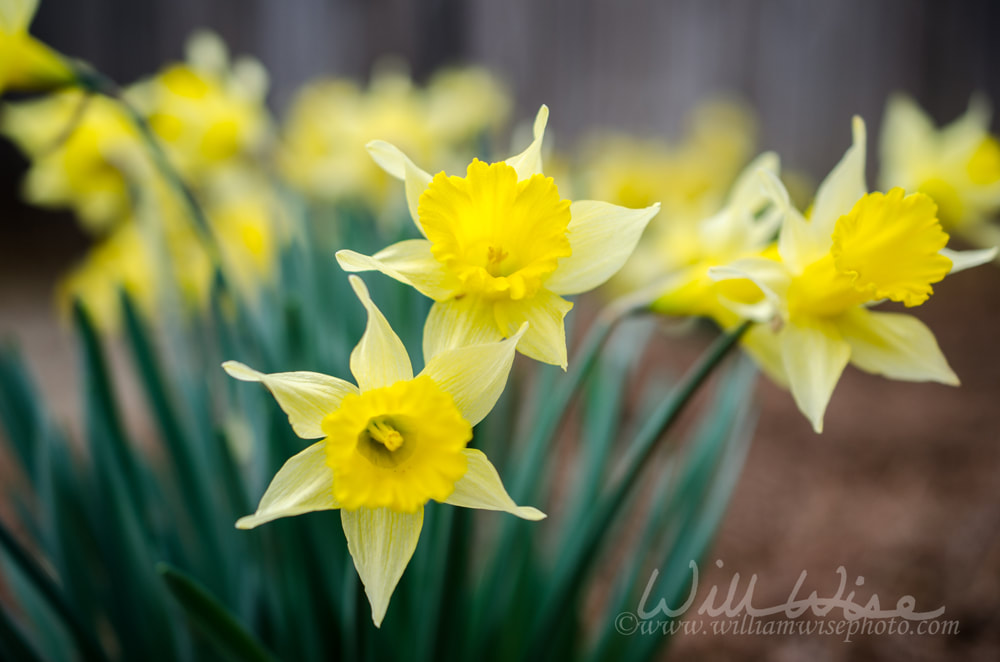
95 82
556 406
86 643
532 465
571 571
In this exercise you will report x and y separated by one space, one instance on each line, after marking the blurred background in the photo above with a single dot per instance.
901 487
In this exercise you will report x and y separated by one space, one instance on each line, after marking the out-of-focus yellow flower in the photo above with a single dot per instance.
502 247
87 155
208 113
690 179
957 165
331 121
119 262
744 227
158 249
26 63
390 444
463 104
855 250
84 154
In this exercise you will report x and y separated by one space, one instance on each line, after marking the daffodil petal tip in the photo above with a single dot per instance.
241 371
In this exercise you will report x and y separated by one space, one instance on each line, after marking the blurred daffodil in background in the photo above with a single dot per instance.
85 155
331 121
854 250
957 165
502 248
27 64
156 256
390 444
690 179
208 111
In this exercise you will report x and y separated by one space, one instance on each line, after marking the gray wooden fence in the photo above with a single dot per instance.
807 65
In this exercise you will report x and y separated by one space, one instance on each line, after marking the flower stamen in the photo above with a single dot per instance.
379 430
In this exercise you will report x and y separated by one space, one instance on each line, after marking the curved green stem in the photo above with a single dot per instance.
571 570
538 444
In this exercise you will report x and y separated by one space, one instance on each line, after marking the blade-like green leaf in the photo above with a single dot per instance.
229 638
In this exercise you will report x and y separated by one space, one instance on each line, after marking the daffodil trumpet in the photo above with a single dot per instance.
501 247
388 445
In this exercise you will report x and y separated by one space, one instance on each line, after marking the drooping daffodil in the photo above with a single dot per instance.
388 445
501 248
958 165
855 250
25 63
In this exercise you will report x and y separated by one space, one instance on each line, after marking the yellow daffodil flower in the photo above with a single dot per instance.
26 63
330 121
855 250
157 248
502 247
122 261
744 227
208 112
957 165
85 154
463 104
690 178
389 445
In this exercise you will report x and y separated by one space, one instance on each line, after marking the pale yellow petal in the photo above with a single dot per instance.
391 159
16 15
545 339
468 320
906 144
482 488
962 260
303 485
896 345
410 262
844 186
747 190
763 345
379 359
475 375
813 355
307 397
798 242
602 236
381 542
966 132
771 277
529 162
